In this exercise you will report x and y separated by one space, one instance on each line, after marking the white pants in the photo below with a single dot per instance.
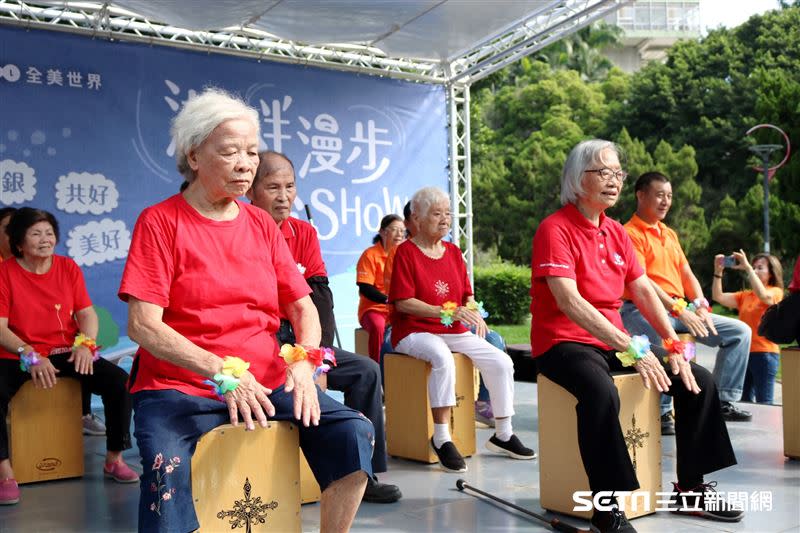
495 367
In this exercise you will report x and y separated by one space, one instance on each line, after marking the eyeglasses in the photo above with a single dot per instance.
606 174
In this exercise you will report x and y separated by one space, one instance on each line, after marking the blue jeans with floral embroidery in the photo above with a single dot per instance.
169 423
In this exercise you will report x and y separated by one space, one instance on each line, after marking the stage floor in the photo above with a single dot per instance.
432 503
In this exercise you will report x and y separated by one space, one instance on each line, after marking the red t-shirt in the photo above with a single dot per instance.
301 237
433 281
794 286
600 259
218 284
41 307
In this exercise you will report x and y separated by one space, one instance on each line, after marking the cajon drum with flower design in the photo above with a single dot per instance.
45 432
247 479
409 424
561 471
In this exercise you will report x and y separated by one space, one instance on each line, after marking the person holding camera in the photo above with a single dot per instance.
765 278
660 254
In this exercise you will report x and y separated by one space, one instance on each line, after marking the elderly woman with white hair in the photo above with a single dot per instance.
206 279
433 308
582 261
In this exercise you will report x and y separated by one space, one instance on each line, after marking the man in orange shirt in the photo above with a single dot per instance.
662 257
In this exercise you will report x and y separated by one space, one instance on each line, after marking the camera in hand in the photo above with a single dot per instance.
728 261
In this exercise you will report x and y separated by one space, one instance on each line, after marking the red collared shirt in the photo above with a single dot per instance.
600 259
301 238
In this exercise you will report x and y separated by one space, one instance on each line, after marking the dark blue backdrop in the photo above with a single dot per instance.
84 133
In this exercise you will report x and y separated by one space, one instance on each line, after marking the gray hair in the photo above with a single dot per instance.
425 198
198 118
585 154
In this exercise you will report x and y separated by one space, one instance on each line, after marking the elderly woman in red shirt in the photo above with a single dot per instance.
582 261
47 330
433 306
206 279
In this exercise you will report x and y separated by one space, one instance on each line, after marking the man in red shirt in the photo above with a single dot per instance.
359 377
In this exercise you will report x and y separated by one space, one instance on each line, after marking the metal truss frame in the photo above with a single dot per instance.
551 22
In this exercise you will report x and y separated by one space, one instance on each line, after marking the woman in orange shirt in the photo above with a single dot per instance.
766 281
372 309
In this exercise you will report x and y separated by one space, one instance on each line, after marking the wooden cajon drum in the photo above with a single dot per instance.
790 375
561 470
309 488
45 432
250 478
362 341
409 424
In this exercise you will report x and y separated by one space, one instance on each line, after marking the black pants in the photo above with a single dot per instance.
359 378
701 438
108 382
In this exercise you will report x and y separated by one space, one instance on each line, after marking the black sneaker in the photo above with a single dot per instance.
613 520
377 492
703 501
449 457
731 414
512 448
667 424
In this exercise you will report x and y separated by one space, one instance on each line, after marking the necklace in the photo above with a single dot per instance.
434 252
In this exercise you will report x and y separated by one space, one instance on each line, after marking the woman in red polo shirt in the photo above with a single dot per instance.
48 327
372 309
433 306
581 263
206 279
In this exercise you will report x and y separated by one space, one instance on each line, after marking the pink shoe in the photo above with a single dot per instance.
120 472
9 491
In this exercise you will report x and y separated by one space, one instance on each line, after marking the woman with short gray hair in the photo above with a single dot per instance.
433 309
206 281
582 261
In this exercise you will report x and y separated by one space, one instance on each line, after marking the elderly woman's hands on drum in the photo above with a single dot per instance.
471 318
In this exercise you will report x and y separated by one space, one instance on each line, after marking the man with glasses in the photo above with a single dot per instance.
665 264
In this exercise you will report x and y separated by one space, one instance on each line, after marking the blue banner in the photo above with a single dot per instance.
84 133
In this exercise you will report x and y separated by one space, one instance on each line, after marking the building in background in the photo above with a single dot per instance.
650 27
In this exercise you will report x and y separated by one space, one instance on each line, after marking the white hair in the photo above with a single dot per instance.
584 155
198 118
426 198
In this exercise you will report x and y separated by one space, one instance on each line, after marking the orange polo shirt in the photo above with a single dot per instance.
370 270
751 309
659 252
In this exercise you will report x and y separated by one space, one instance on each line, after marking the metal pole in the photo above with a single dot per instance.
765 159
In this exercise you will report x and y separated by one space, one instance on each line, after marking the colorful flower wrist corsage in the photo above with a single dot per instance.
447 312
28 359
226 381
636 350
701 303
678 306
685 349
321 358
89 343
478 306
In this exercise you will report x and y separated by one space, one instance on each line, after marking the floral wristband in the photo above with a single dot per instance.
637 349
678 306
685 349
89 343
701 303
477 306
322 358
28 359
447 312
222 383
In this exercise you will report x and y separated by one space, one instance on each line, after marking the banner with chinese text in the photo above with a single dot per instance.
84 133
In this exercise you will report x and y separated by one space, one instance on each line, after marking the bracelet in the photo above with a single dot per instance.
718 276
28 359
701 303
637 349
321 358
685 349
678 306
478 306
447 312
88 342
222 383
